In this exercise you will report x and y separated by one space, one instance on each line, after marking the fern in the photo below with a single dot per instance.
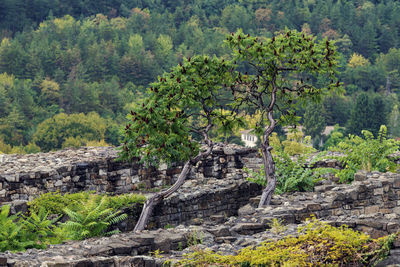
12 234
39 229
93 219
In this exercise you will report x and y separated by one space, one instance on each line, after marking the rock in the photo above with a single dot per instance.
246 210
392 260
247 228
219 218
3 260
225 239
229 151
219 231
167 241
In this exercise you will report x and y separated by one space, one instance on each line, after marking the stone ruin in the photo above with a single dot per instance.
216 204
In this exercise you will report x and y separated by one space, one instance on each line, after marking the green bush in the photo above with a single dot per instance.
368 153
318 244
40 229
120 201
89 215
292 175
12 236
55 203
92 219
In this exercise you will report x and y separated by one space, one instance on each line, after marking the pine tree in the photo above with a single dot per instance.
360 117
314 121
394 122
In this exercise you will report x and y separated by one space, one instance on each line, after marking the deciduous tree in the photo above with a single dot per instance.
182 106
279 81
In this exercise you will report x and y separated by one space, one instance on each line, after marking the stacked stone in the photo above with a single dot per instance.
23 177
371 204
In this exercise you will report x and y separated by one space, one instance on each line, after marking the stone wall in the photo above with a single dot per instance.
23 177
195 203
370 204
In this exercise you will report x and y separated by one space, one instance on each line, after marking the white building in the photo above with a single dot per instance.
248 138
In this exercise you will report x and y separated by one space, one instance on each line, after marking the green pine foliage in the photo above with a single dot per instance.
90 56
314 120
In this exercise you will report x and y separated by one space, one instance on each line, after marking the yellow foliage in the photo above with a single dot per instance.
97 143
295 144
119 23
50 89
4 43
72 142
135 43
17 150
4 148
6 81
358 60
317 243
275 143
63 23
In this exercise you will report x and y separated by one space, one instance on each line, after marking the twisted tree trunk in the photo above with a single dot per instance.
158 197
269 164
269 169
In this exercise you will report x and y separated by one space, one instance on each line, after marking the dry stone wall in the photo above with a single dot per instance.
215 185
23 177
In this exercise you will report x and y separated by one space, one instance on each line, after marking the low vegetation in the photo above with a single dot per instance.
88 215
292 173
317 243
366 153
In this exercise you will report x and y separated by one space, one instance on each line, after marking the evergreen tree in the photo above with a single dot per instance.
361 115
314 121
394 122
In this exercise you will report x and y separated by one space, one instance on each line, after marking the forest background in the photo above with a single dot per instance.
71 70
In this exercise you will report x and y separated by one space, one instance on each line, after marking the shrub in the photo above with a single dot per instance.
368 153
317 244
292 175
54 202
92 219
12 233
297 144
39 229
125 200
89 215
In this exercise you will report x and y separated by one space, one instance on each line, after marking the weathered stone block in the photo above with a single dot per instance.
396 210
247 228
371 209
396 183
360 176
378 191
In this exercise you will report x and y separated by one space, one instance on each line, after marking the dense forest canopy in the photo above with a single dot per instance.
66 62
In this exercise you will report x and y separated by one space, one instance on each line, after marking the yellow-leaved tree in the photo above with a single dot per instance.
358 60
